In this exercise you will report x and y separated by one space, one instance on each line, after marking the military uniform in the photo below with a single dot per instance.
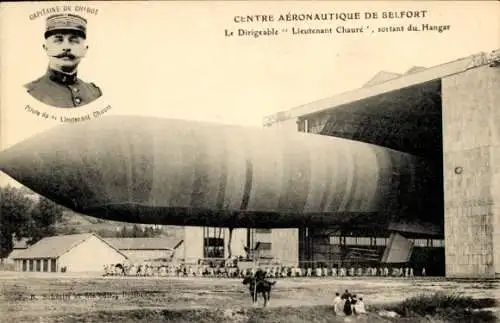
62 90
59 89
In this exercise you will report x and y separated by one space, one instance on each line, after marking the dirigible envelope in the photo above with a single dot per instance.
164 171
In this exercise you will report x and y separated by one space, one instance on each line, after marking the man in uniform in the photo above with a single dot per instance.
65 44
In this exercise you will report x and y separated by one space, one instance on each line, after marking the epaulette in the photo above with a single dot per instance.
96 87
30 86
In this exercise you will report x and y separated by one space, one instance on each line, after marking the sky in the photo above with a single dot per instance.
173 60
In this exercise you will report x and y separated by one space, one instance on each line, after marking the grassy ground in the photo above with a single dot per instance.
320 314
7 267
446 308
79 298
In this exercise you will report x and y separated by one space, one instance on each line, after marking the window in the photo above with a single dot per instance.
431 243
45 265
213 242
335 240
38 265
32 264
213 252
53 266
263 249
263 245
302 126
350 241
213 248
363 241
357 241
25 265
419 242
437 243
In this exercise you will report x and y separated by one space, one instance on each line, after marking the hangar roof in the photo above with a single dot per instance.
416 75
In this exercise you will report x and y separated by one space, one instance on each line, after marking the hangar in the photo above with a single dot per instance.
429 170
447 114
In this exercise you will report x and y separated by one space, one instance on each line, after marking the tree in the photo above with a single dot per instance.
106 233
137 231
67 230
14 215
149 232
44 216
122 233
158 231
24 214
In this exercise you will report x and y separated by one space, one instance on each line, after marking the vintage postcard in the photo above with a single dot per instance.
250 161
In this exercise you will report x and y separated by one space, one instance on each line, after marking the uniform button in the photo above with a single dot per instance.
78 100
74 89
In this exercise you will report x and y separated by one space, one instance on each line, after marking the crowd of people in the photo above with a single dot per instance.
348 304
186 270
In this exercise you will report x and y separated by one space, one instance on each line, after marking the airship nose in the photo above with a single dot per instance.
57 163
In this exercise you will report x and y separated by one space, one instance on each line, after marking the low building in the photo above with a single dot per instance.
68 253
148 249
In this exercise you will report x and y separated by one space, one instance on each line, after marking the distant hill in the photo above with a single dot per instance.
73 222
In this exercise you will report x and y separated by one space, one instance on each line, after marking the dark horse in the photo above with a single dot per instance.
256 287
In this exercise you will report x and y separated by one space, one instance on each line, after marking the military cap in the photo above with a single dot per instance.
66 21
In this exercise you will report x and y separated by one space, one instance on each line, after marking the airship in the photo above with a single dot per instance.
179 172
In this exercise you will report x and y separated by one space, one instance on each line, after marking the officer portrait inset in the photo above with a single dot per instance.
65 45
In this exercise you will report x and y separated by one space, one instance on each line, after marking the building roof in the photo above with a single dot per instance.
14 253
21 244
415 69
56 246
381 77
384 76
163 243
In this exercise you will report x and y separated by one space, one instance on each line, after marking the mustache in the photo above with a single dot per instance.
68 55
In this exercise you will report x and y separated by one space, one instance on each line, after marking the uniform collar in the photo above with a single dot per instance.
61 78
